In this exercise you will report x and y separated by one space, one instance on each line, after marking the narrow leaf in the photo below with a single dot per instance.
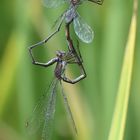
122 100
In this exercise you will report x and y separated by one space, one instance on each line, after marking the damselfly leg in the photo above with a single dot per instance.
49 37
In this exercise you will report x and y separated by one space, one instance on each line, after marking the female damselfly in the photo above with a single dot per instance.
43 113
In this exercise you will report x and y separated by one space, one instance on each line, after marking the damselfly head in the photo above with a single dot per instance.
60 54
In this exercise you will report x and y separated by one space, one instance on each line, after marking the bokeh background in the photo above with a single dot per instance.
23 23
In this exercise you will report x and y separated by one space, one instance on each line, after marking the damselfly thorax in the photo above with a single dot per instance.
70 14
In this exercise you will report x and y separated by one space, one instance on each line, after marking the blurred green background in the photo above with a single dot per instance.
23 23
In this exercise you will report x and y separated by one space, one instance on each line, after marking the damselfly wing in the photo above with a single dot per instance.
42 117
83 30
53 3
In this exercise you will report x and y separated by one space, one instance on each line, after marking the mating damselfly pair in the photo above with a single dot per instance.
43 113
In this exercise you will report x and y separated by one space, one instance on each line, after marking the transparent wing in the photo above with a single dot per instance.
83 30
35 124
53 3
100 2
67 106
49 113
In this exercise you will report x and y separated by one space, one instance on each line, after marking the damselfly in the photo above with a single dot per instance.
82 29
43 113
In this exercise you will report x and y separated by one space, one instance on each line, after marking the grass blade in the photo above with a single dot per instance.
120 112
